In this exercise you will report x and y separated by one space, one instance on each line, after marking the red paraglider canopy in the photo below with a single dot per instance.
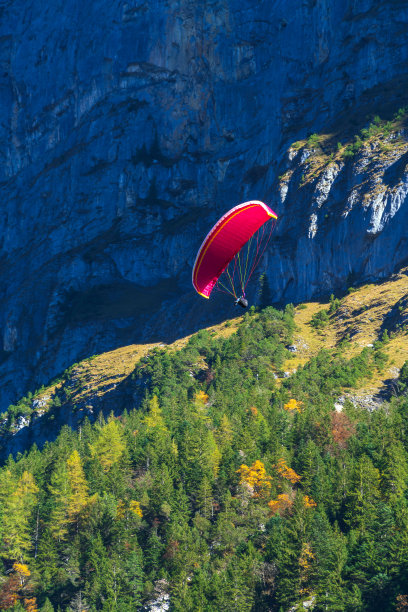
225 240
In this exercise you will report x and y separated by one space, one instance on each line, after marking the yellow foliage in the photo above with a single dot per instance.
201 397
305 564
120 510
283 502
109 446
287 472
154 419
293 405
17 500
21 569
309 502
306 556
255 477
79 497
135 508
254 411
26 485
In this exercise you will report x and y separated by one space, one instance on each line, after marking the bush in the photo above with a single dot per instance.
334 304
403 379
313 140
320 319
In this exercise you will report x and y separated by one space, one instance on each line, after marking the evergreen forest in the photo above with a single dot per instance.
221 487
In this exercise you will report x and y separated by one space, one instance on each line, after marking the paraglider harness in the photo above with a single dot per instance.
241 301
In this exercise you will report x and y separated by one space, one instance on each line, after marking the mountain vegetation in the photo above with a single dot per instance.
224 485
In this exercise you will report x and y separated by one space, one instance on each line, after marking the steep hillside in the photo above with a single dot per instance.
357 320
129 128
222 479
349 324
100 383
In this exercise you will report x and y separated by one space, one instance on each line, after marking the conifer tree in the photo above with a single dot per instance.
395 472
47 560
78 486
47 606
204 499
109 445
100 580
18 501
61 493
364 494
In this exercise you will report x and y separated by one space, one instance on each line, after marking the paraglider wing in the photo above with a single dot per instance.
225 240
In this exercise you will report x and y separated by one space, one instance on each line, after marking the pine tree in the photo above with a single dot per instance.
161 491
78 486
330 547
47 560
364 495
153 551
18 500
204 499
132 578
395 472
60 496
100 578
109 445
47 606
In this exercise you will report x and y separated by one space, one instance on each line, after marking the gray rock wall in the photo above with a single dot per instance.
127 128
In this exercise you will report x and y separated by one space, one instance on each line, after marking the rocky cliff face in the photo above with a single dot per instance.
347 213
128 127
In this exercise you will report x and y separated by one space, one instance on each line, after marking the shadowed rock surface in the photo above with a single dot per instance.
128 128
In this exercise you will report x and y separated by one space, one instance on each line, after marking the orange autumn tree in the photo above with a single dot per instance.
308 502
284 501
255 478
342 429
281 504
287 472
17 587
30 604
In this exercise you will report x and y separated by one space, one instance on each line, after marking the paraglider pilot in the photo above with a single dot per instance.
241 301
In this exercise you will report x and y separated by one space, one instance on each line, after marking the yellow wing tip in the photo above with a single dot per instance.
207 297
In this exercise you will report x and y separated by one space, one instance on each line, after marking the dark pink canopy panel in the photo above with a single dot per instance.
225 240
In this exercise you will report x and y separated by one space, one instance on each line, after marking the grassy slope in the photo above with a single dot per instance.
99 374
362 314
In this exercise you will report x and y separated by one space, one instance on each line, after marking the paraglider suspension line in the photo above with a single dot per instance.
258 256
255 248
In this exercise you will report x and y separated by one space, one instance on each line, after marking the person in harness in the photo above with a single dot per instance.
241 301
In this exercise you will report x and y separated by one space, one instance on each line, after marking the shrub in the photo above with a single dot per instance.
320 319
